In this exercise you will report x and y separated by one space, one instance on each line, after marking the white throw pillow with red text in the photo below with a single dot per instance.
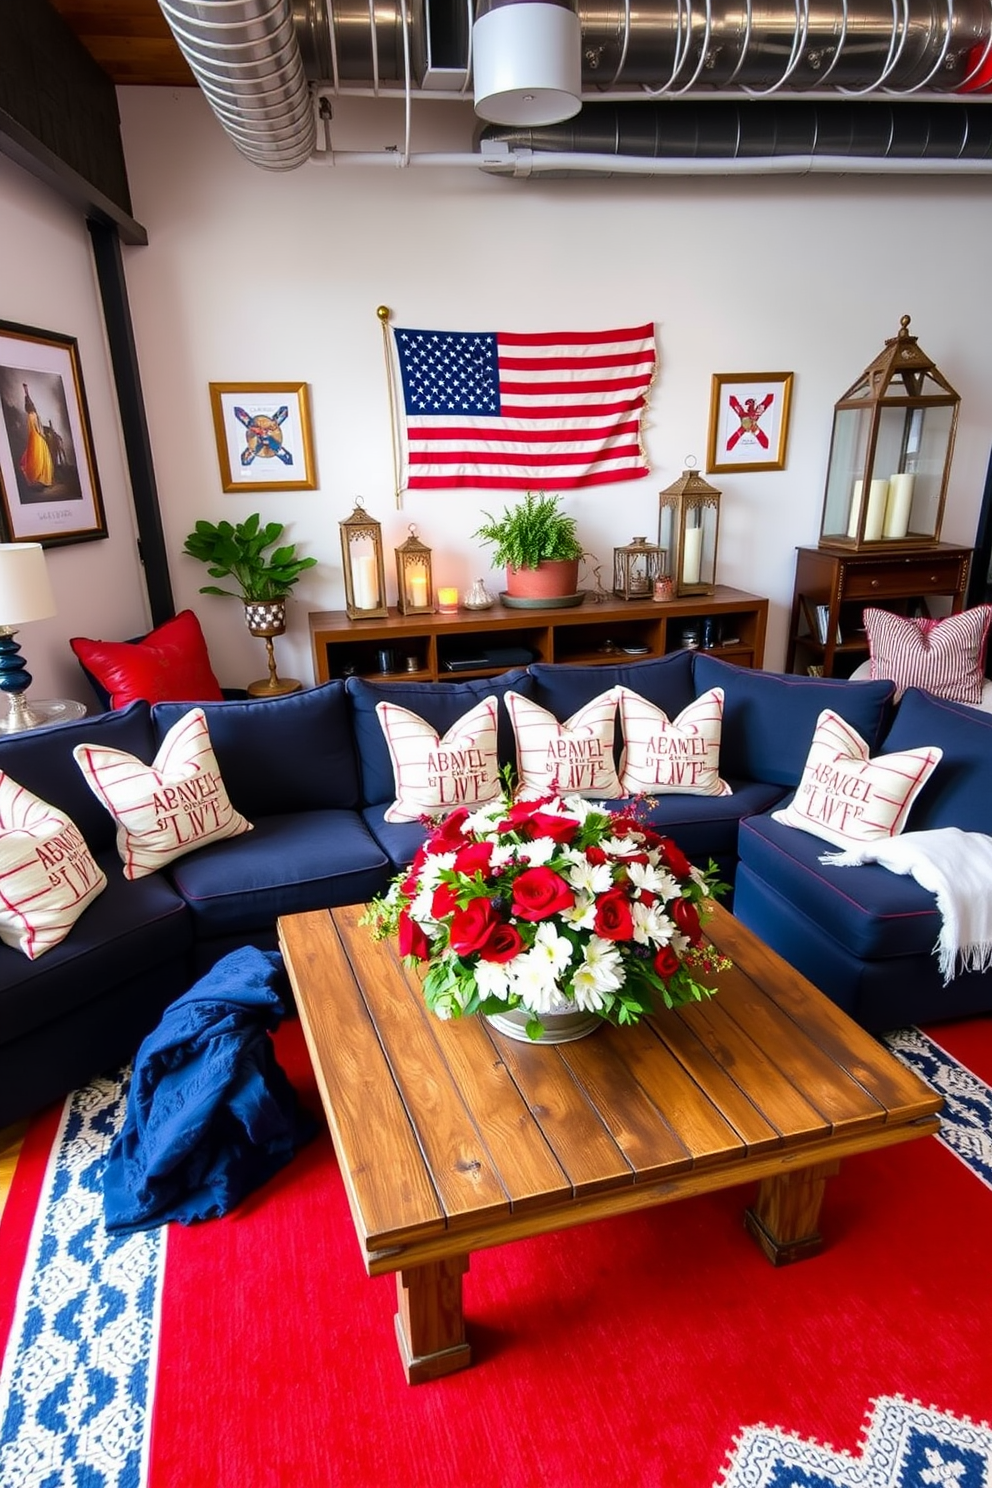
434 775
48 875
679 756
574 758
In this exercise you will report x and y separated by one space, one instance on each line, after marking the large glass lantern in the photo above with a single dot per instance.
689 527
890 453
636 567
414 584
361 558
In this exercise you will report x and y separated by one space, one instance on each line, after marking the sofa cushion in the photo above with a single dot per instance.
175 805
398 840
129 929
959 792
432 773
571 756
170 664
292 753
663 755
439 704
706 826
769 717
665 681
47 873
847 798
873 912
42 761
305 860
944 657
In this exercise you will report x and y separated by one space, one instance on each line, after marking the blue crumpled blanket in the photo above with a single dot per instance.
210 1115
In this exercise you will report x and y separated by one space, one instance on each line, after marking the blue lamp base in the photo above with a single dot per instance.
15 679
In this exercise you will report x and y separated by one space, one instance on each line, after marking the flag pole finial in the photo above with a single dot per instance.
383 313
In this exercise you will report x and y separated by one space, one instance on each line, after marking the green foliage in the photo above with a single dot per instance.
531 532
240 553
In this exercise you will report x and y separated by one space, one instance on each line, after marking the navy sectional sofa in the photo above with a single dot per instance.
311 771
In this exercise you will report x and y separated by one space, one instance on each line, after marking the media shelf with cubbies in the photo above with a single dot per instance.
484 643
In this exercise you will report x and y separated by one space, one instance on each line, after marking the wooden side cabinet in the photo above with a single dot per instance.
483 643
835 585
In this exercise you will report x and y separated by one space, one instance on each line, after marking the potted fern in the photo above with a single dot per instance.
536 541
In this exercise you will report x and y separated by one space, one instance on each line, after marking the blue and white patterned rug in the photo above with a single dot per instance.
77 1382
78 1377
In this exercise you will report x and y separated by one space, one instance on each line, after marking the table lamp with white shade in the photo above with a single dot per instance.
25 594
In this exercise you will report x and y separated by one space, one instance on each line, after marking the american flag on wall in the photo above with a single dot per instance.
491 408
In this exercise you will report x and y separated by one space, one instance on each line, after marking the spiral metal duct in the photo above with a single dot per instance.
254 60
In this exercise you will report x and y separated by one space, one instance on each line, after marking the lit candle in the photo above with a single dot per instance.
417 587
900 499
364 582
878 494
859 491
692 555
447 601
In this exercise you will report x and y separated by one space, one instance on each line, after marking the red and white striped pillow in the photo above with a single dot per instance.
48 875
847 798
574 758
944 657
168 808
663 756
433 776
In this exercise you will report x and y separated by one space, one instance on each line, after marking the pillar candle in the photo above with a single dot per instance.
878 494
898 503
417 587
365 585
859 491
692 554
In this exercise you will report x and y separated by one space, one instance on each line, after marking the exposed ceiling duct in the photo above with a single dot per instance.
668 69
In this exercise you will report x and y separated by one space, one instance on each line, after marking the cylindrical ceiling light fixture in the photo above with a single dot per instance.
527 61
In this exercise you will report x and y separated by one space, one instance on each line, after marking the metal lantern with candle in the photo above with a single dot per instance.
414 582
635 568
361 559
890 452
689 527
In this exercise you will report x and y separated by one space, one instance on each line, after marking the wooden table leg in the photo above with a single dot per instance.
784 1217
430 1326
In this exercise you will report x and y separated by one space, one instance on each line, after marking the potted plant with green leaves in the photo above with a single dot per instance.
264 578
537 542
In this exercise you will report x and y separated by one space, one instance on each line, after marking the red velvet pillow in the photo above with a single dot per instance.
169 665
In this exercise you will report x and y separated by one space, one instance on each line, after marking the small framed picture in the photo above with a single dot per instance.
49 490
264 442
749 420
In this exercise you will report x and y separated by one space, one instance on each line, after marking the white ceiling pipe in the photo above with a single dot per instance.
522 163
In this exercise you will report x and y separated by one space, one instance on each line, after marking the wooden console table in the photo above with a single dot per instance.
449 647
840 583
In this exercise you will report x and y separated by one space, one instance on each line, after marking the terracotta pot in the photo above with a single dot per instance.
552 579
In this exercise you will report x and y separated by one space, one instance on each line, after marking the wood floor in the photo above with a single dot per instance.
11 1138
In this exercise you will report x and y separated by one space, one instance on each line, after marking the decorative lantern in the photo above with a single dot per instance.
636 567
890 452
414 584
361 558
689 527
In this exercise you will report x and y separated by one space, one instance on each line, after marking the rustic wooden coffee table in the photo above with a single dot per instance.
452 1138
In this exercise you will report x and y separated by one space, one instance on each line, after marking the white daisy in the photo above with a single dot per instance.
582 914
651 924
653 880
588 878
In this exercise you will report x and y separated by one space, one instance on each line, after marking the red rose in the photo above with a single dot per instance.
674 858
666 963
474 857
471 926
448 835
614 920
412 940
647 898
538 893
504 943
595 855
443 902
685 916
558 828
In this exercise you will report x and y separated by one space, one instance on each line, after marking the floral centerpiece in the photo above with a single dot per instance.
549 906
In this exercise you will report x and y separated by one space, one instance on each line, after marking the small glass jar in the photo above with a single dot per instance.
664 588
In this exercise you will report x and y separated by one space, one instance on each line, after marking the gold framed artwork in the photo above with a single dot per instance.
264 439
49 489
749 421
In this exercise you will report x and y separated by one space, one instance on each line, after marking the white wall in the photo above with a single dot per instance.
48 282
260 277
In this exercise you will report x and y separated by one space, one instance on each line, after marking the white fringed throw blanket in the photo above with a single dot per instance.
956 866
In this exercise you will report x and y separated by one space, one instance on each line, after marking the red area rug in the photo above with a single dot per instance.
626 1354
